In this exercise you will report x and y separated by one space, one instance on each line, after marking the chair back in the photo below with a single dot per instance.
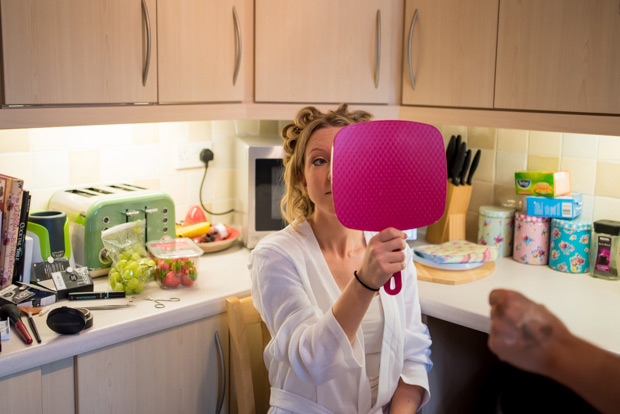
248 338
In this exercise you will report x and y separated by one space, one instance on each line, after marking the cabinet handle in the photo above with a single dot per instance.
237 45
378 49
145 73
415 17
220 399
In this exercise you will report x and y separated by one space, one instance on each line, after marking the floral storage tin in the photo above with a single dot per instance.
496 228
531 240
569 245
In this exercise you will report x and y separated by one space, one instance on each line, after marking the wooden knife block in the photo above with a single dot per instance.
452 224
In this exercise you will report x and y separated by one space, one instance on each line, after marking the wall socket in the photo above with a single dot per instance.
188 154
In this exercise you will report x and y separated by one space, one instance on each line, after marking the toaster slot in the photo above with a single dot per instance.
81 192
126 187
98 190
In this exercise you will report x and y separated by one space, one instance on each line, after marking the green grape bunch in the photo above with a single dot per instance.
131 271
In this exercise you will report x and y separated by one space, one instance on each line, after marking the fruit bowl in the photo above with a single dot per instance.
177 261
220 244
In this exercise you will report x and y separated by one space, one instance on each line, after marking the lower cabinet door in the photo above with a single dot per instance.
45 389
179 370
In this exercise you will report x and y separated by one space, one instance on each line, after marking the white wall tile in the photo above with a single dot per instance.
514 140
50 169
582 173
506 164
579 145
545 143
606 208
173 132
486 166
14 140
608 148
49 139
17 165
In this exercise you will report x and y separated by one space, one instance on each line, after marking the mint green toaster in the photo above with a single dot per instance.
93 209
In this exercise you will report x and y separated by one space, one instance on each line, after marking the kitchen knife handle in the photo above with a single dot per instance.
474 165
237 45
398 284
378 49
450 151
458 161
147 63
465 166
413 20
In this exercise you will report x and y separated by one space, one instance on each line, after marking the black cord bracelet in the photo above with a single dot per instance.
364 284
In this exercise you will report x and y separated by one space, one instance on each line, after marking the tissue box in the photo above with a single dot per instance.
565 207
542 183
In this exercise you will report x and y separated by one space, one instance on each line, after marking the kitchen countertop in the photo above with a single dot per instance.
221 274
588 306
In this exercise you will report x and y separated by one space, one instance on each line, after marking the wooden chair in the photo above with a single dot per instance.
248 338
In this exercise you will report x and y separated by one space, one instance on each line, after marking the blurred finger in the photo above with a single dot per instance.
497 296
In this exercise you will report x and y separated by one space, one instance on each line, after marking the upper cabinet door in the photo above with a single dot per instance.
201 50
559 55
449 53
79 52
322 51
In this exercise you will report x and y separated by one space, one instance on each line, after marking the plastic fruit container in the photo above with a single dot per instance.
177 262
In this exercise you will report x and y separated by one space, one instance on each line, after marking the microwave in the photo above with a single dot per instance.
259 185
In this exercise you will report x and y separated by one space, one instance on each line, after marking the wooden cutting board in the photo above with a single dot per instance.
453 277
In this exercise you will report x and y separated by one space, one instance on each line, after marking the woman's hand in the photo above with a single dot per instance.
384 256
523 333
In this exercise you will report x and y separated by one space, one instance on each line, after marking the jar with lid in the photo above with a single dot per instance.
531 240
569 245
496 228
605 249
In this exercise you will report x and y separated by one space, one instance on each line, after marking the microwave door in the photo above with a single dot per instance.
269 188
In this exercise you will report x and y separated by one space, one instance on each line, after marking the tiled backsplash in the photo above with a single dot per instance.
593 162
49 159
143 154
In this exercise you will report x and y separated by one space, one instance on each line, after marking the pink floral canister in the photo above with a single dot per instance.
496 228
531 241
569 245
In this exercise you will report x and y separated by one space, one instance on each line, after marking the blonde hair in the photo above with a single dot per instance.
295 203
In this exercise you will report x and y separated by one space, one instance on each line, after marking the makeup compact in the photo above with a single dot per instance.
67 321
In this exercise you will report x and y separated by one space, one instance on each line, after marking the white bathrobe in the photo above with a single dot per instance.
312 366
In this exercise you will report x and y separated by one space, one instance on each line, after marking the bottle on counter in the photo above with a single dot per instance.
569 245
496 228
605 249
531 239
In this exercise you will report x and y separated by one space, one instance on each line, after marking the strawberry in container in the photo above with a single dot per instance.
177 261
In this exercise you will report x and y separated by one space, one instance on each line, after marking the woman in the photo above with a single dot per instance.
340 344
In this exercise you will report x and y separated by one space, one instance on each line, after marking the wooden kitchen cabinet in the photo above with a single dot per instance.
323 51
42 390
559 55
203 51
79 52
177 370
449 53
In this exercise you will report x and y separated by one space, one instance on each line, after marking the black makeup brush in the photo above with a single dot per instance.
15 316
